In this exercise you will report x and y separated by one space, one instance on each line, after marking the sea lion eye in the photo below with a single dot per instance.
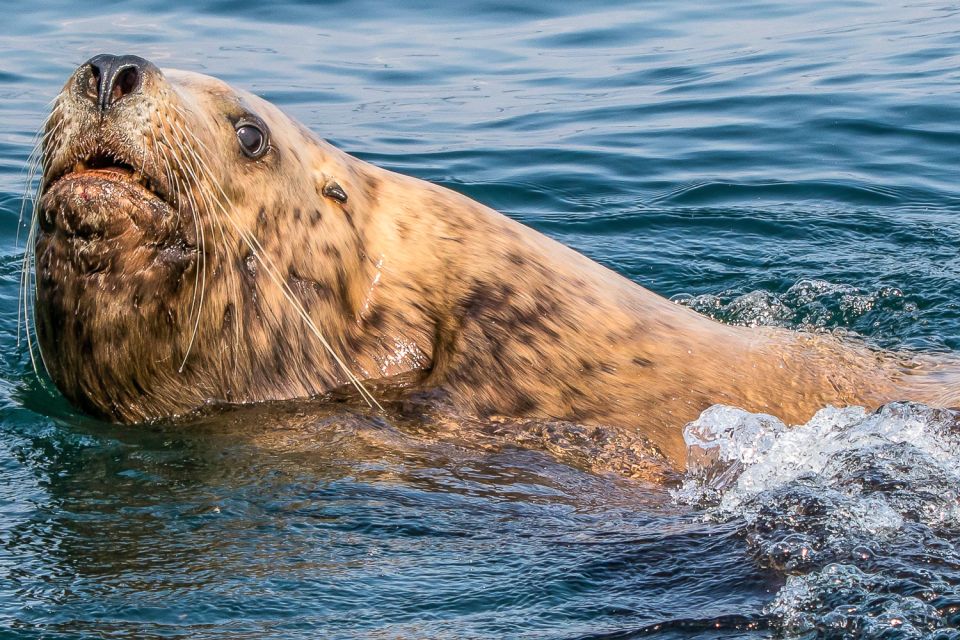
252 139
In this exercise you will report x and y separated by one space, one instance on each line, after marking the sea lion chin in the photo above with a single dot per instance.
195 245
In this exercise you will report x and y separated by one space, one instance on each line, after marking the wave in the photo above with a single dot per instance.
860 511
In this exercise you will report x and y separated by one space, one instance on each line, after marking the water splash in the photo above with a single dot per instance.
861 511
809 304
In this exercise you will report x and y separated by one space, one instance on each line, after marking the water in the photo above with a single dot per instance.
764 162
860 511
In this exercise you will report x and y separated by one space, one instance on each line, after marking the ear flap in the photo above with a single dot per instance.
330 188
335 191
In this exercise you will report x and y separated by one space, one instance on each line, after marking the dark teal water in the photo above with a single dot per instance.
764 162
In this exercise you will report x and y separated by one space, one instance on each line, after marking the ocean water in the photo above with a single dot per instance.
766 162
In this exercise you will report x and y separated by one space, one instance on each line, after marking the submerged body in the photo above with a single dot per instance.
197 246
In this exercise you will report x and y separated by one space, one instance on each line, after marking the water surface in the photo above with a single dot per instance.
763 162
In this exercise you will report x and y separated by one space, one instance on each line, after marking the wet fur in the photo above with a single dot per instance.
400 276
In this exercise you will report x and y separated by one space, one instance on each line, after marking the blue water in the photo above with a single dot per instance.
763 162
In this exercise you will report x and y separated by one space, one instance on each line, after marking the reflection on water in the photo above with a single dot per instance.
765 163
226 524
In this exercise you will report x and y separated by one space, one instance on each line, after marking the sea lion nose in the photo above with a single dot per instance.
110 78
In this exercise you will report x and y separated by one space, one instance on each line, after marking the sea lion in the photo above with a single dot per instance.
195 245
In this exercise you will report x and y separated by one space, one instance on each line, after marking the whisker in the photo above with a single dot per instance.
263 257
201 249
234 293
37 161
177 194
208 200
271 270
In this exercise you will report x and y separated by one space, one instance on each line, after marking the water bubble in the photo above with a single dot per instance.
811 305
859 509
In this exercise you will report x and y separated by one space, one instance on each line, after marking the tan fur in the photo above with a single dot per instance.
403 276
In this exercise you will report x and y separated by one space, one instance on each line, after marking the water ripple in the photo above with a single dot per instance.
763 162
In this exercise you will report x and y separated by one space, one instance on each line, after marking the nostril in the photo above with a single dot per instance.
93 81
125 83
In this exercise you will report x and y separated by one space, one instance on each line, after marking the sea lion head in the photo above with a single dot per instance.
192 244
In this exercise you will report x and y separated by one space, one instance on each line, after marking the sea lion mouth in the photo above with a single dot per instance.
103 196
111 166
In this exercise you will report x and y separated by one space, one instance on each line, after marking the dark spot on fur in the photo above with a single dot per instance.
523 404
572 393
516 258
348 216
343 292
641 362
278 352
331 251
296 213
371 186
376 318
316 216
262 217
306 290
485 299
86 346
250 265
227 321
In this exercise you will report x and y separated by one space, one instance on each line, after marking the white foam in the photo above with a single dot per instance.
734 454
817 499
809 304
800 605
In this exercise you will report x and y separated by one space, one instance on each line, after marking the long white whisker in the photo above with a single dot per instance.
271 270
207 199
38 160
201 248
177 194
209 203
